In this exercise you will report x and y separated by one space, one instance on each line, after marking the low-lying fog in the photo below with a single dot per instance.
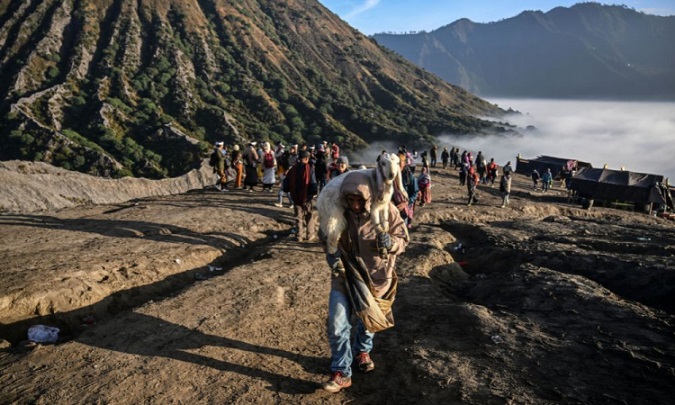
640 136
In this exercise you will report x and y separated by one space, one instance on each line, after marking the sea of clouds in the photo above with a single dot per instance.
638 136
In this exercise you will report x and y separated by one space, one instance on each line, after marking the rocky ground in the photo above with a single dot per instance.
202 297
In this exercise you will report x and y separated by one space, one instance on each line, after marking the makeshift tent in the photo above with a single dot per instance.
615 185
542 163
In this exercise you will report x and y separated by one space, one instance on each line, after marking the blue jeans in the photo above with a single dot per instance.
339 332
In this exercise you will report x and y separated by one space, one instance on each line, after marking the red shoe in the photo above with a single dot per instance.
337 382
364 362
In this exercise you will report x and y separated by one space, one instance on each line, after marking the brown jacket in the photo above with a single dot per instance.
361 237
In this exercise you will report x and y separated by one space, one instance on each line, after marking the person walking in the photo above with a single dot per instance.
269 163
237 163
505 188
407 207
424 182
219 168
463 170
283 191
507 168
321 168
433 154
302 186
492 172
341 167
546 180
472 181
360 246
445 157
251 166
535 179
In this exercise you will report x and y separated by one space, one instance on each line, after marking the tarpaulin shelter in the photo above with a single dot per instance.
542 163
616 185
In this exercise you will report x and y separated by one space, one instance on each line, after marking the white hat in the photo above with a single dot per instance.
235 147
220 143
253 143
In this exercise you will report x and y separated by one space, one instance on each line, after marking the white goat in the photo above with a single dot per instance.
382 180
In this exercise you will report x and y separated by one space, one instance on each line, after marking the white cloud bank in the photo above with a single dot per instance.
640 136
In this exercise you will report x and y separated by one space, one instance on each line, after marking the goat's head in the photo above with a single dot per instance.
388 167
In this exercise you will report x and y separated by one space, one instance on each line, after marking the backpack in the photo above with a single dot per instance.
268 160
213 160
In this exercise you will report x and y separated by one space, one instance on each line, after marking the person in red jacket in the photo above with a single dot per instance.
302 186
334 151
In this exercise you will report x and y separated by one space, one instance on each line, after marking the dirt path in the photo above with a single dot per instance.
552 304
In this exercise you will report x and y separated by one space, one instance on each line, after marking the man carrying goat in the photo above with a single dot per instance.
363 281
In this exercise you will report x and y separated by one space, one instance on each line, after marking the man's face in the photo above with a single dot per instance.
356 203
342 167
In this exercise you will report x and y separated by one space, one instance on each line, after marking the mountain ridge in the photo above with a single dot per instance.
586 51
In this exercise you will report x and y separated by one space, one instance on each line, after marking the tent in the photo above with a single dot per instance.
625 186
542 163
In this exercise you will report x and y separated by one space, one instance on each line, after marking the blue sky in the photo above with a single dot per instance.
373 16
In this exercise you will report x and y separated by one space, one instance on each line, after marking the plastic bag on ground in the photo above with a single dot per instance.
43 334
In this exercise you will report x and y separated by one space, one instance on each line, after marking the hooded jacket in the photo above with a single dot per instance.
360 236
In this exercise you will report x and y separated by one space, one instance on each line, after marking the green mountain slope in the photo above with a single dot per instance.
143 87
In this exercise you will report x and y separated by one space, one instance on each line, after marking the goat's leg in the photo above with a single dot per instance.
379 224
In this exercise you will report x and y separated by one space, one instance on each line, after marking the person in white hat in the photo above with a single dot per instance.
218 157
238 166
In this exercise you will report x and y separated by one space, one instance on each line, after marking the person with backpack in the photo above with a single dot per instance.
269 162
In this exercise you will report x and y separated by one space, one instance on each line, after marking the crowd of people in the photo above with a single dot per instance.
366 254
259 165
